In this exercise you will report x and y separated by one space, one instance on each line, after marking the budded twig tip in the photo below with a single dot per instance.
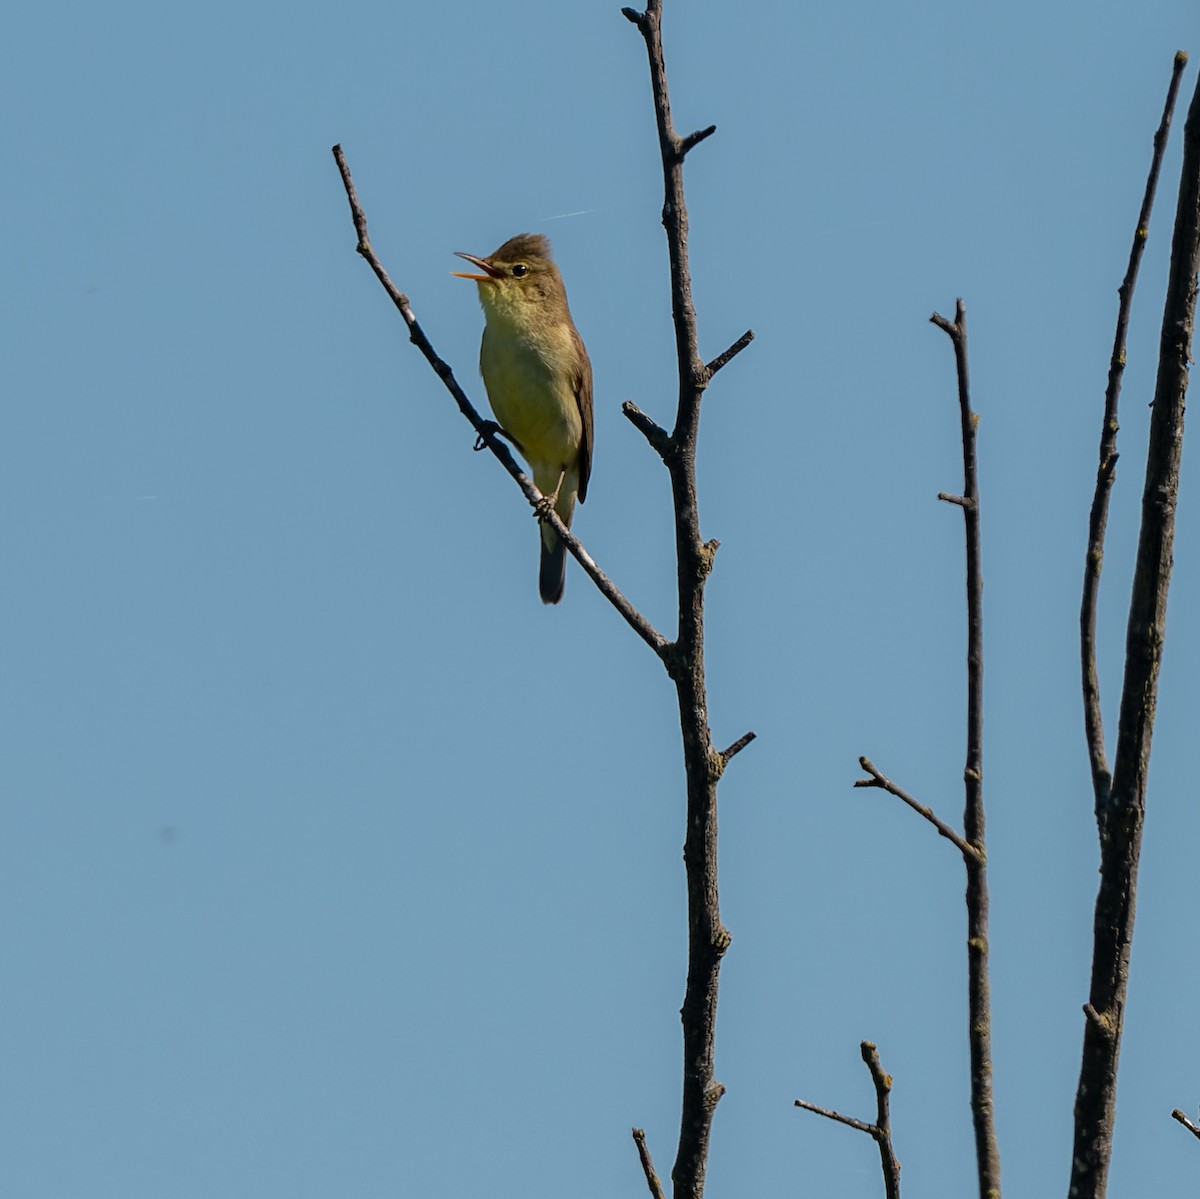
639 1139
1192 1128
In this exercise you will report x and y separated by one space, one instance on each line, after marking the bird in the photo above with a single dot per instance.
538 378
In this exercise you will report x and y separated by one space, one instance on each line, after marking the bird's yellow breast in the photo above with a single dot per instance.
528 368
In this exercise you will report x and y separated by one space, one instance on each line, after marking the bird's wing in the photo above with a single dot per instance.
582 384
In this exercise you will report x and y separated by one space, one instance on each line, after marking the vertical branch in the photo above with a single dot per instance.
1106 472
987 1152
1120 819
683 658
888 1162
707 937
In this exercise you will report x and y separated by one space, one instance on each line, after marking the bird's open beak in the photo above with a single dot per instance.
482 264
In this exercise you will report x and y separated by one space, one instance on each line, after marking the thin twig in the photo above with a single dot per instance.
485 428
1106 472
726 356
1121 821
737 747
1192 1128
979 1016
830 1114
656 1191
958 500
881 1131
881 780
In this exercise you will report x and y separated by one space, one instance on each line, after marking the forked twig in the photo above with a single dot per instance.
971 843
881 780
881 1131
1106 472
1121 817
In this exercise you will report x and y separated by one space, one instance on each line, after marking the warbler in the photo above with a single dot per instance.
539 382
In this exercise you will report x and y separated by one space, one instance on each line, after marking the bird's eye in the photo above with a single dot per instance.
520 271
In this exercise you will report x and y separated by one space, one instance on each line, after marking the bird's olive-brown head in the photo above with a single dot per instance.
520 272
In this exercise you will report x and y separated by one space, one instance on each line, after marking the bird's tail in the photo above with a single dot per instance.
552 570
552 573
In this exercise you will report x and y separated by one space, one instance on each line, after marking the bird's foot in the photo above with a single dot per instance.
543 508
547 504
487 431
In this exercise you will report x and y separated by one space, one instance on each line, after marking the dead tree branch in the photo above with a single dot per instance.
881 1130
683 658
881 780
707 936
1192 1128
639 1139
972 843
1106 472
1120 817
979 1027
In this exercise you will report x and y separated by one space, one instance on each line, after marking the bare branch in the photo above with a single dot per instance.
883 1123
654 433
1192 1128
881 1131
724 358
957 500
486 429
979 1016
708 939
687 144
737 747
880 780
830 1114
1106 472
946 326
675 222
1120 819
416 333
707 936
656 1191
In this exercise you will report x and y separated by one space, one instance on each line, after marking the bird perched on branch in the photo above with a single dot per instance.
539 382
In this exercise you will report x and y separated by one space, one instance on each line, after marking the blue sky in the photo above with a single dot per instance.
336 864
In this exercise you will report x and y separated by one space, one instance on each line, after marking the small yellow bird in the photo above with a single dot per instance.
539 382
